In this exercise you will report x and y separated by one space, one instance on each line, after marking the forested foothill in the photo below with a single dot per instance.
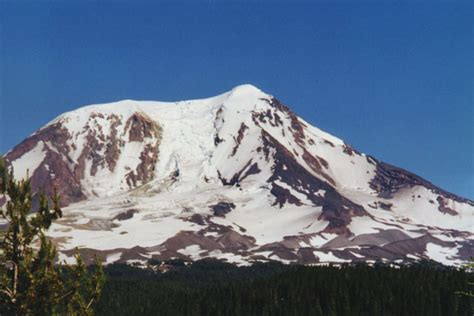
211 287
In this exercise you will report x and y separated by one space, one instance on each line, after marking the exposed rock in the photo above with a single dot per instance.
140 126
219 119
114 143
96 224
125 215
381 238
466 250
283 196
348 150
415 245
337 210
385 206
315 165
222 208
144 171
217 140
232 241
306 256
136 253
339 242
249 169
329 143
389 180
198 219
54 138
240 136
443 208
296 125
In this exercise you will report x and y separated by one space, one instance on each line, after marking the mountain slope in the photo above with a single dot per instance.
237 176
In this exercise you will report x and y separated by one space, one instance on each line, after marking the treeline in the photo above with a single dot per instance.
210 287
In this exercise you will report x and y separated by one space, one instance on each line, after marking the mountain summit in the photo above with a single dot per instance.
239 177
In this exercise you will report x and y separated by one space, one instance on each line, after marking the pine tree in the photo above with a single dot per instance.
31 282
469 267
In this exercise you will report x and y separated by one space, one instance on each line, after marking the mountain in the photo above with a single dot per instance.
239 177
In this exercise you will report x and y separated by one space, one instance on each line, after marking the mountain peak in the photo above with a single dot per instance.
246 88
235 176
238 93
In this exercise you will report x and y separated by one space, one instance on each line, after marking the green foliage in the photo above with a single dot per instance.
209 287
469 267
31 283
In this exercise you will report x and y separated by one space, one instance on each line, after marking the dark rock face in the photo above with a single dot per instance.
337 210
240 136
349 150
54 172
222 208
415 245
385 206
125 215
316 165
297 127
390 179
96 142
54 133
198 219
249 169
220 119
101 150
466 250
140 127
443 208
144 171
228 241
391 246
283 196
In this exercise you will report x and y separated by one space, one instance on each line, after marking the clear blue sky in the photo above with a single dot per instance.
394 80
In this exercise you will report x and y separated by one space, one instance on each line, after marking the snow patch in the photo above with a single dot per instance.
28 163
328 257
441 254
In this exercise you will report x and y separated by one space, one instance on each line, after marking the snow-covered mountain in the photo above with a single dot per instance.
238 177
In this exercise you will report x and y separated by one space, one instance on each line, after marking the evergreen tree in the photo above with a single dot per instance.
470 268
30 281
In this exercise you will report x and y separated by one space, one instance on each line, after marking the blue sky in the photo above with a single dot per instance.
395 80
